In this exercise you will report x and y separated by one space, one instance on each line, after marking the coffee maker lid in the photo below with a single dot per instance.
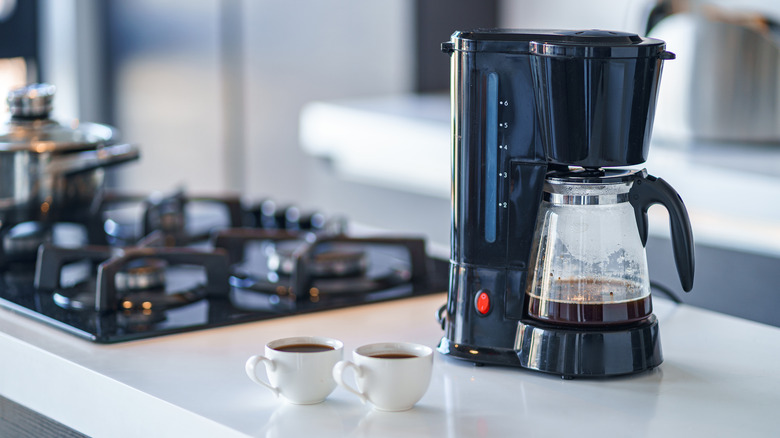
557 42
498 40
599 44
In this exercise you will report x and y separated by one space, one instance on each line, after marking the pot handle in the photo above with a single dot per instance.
94 159
648 190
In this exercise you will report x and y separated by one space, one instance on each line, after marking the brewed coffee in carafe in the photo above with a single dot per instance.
589 264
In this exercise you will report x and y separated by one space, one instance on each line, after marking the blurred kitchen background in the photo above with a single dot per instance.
342 105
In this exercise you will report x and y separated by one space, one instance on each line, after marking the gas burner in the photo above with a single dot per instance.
323 266
267 214
20 242
181 219
79 297
157 300
141 274
167 215
322 288
186 220
326 261
132 279
140 286
139 306
23 240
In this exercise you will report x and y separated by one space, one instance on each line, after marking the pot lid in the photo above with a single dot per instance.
31 129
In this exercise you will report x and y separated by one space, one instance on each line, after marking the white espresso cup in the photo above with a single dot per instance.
299 369
392 376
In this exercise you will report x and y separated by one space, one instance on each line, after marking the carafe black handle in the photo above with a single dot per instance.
648 190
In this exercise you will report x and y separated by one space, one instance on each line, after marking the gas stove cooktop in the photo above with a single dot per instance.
144 266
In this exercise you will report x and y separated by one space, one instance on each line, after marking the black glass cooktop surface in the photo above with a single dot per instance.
18 293
109 295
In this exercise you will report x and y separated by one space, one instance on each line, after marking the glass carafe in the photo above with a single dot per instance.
589 266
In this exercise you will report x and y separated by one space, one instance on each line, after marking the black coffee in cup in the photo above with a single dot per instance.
304 348
393 355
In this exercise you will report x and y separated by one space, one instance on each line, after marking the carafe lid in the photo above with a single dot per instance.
589 186
584 176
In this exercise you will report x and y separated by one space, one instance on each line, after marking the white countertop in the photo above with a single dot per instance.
719 378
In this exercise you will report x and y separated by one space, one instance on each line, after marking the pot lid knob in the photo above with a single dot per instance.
32 101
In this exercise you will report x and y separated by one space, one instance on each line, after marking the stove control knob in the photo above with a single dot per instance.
312 221
482 302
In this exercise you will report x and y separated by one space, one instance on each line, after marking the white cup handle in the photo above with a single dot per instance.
251 371
338 376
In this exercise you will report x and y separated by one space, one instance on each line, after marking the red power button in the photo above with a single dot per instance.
483 302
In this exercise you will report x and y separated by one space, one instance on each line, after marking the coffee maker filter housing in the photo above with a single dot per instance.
596 93
524 104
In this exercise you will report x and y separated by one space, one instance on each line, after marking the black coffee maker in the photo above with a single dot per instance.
546 272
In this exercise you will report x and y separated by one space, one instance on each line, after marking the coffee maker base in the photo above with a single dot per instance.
571 353
599 352
479 355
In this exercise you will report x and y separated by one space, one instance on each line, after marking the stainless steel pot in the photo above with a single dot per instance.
49 171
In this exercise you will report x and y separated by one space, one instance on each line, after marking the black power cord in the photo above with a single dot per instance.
666 291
